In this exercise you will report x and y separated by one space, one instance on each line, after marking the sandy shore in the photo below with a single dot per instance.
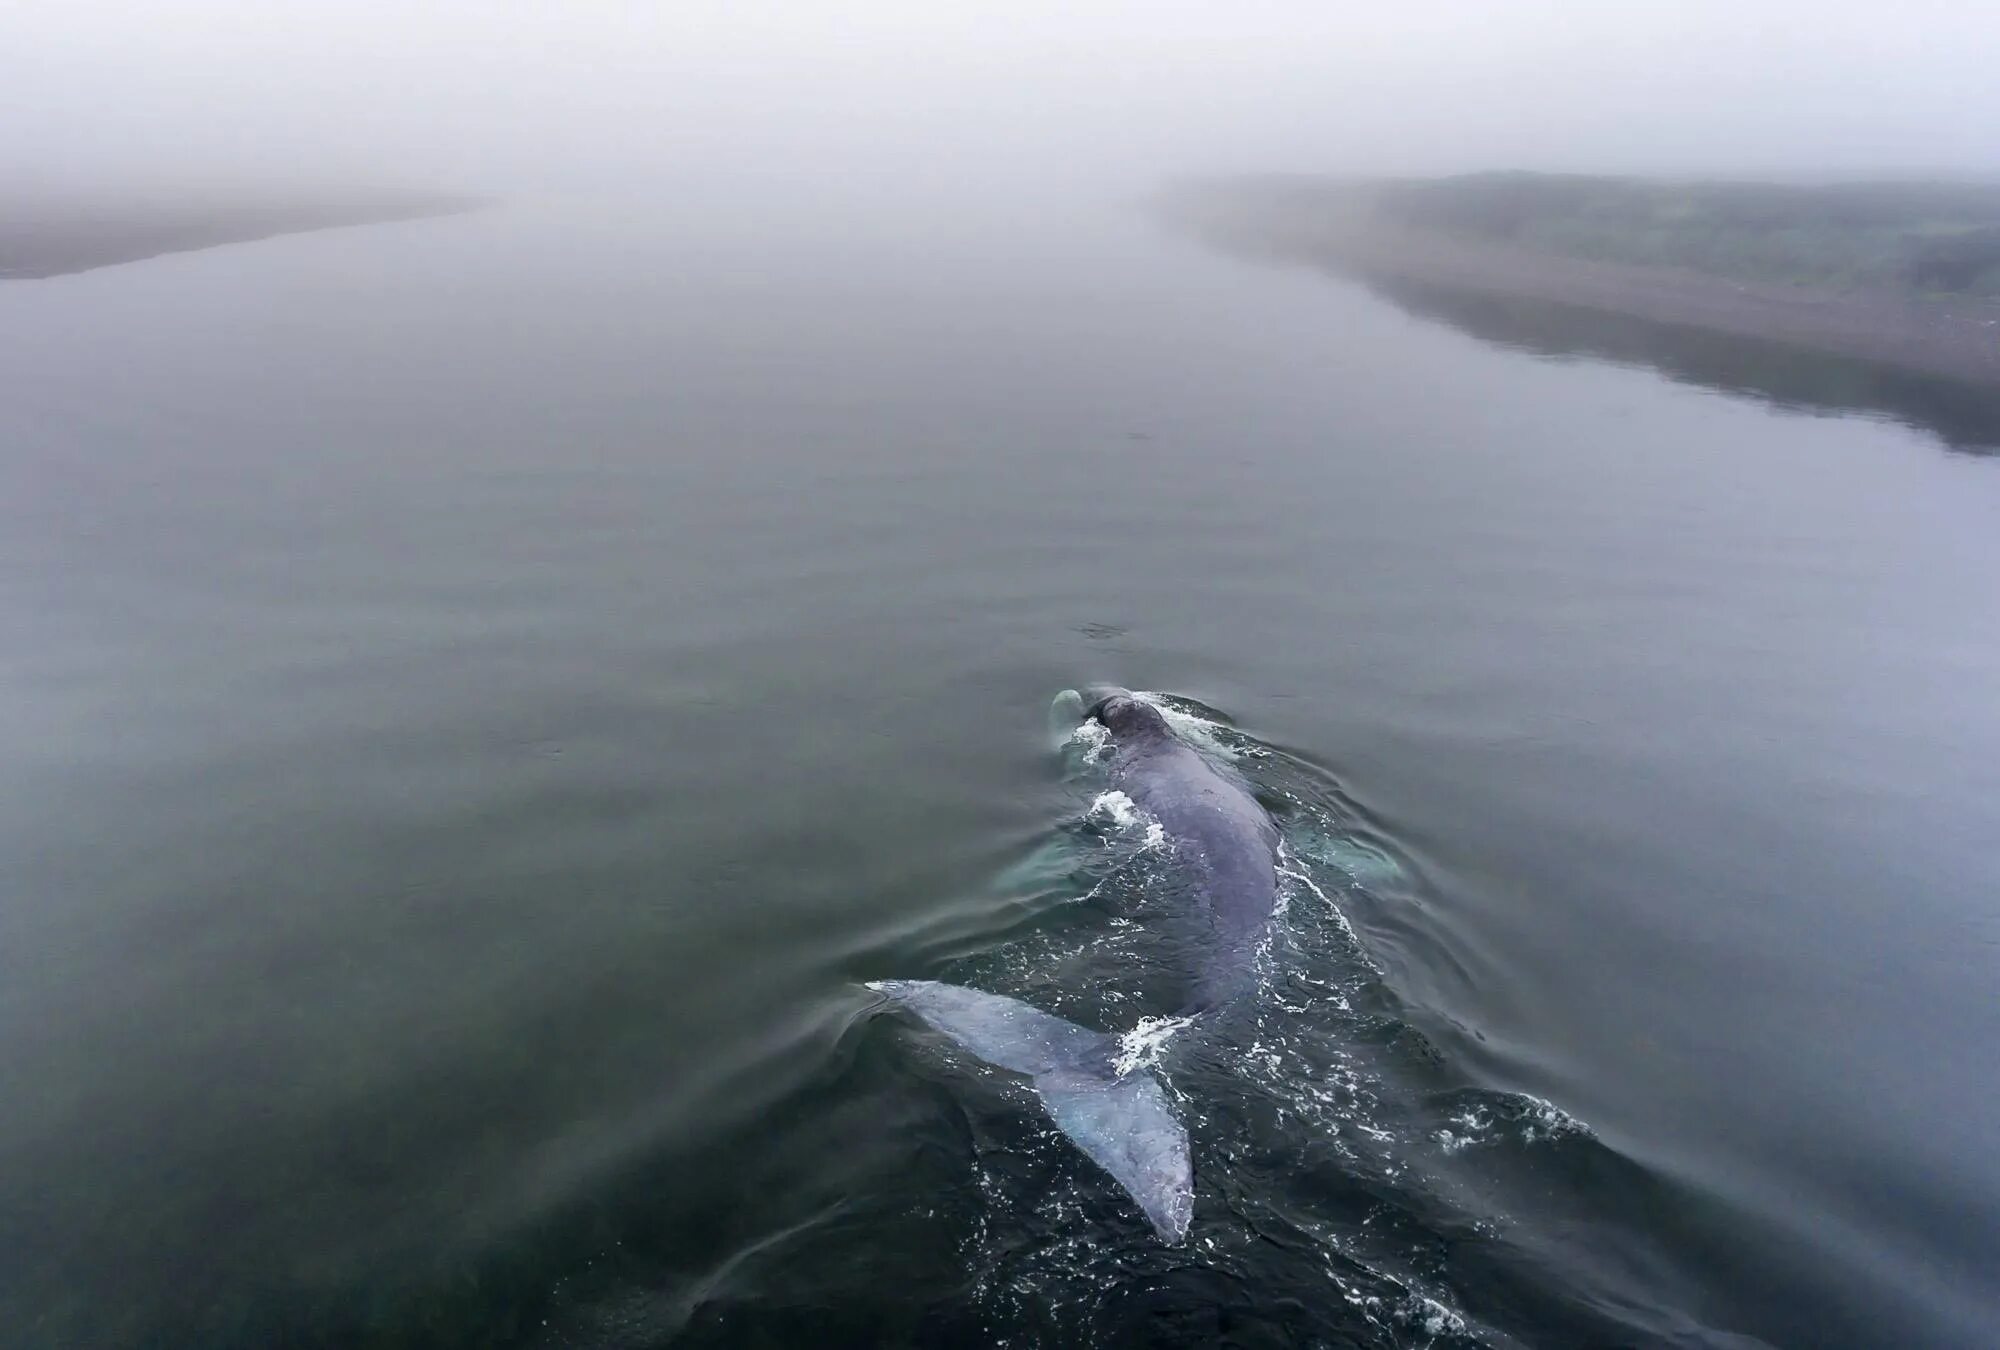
1956 338
51 237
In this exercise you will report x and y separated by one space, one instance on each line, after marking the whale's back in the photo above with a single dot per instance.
1224 852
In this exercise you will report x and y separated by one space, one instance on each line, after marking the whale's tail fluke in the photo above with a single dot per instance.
1120 1120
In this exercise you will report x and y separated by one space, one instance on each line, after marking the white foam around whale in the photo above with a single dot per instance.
1142 1046
1204 734
1118 808
1093 738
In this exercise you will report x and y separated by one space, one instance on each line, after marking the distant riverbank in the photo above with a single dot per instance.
1894 274
54 235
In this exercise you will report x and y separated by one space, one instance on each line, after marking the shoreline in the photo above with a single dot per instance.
54 238
1955 338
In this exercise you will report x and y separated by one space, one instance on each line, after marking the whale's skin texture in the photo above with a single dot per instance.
1225 845
1225 862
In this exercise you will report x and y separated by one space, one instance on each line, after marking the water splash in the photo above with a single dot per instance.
1065 714
1322 1077
1494 1117
1205 734
1142 1046
1116 807
1091 741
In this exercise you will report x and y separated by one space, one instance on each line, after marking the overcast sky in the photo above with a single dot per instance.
497 95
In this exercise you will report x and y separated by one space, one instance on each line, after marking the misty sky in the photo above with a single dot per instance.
496 95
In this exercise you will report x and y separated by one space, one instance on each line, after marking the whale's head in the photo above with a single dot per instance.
1125 715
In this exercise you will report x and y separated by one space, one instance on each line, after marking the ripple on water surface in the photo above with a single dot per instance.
1354 1186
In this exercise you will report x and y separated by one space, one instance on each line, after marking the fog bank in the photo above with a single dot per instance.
886 101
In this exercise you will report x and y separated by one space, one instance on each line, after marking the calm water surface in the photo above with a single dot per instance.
481 696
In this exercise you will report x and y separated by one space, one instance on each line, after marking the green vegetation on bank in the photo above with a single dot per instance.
1931 238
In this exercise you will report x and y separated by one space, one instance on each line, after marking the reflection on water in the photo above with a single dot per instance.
1964 417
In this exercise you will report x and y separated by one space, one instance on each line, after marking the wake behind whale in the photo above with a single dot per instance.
1354 1172
1092 1084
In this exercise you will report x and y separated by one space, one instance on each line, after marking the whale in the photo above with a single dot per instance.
1222 851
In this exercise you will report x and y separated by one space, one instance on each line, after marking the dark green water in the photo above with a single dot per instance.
480 696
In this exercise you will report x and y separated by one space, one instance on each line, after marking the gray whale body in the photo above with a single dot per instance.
1225 848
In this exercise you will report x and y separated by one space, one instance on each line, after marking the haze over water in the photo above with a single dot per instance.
486 691
483 694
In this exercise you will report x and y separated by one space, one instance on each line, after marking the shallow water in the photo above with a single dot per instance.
483 695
